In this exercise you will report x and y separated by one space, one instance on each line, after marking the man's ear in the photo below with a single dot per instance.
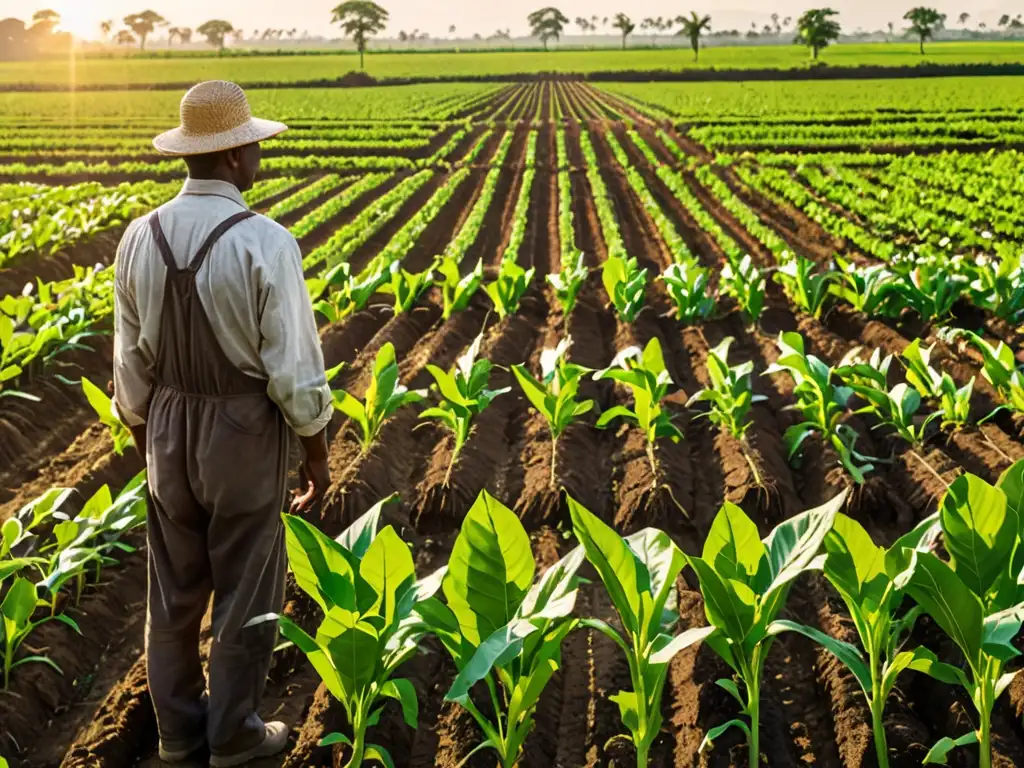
234 157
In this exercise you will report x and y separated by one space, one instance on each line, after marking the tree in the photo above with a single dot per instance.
547 23
237 35
124 37
142 24
185 35
817 29
171 34
924 22
777 26
45 21
892 31
964 18
106 27
451 29
625 26
1004 20
215 31
360 20
692 26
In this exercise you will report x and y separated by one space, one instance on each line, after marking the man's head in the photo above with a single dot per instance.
218 136
236 166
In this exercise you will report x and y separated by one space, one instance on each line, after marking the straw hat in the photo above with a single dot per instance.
215 116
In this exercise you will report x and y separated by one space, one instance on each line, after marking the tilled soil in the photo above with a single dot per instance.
98 715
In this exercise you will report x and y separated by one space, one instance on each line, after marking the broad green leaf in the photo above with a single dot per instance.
714 733
402 689
387 566
354 653
979 534
948 600
19 604
378 753
733 546
334 738
726 606
938 754
680 643
663 561
496 650
357 537
319 564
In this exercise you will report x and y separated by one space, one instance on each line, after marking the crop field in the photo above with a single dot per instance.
854 263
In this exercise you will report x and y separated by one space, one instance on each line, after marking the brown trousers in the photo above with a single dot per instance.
217 457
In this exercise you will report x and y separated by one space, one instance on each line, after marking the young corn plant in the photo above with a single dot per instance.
746 285
871 581
931 290
500 625
554 394
976 598
999 286
953 402
648 379
346 293
690 288
897 409
384 397
1001 369
871 289
745 583
808 289
731 392
464 396
639 573
821 402
365 583
508 288
569 281
16 624
107 414
624 283
406 287
456 289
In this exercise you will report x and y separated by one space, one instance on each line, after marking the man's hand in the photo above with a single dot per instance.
139 439
315 473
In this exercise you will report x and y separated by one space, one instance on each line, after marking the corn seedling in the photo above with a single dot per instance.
384 397
509 286
869 289
689 286
108 416
464 396
999 286
731 392
500 625
624 283
976 598
554 394
931 290
808 289
745 583
346 293
16 614
568 282
405 286
639 573
648 379
457 289
897 408
954 403
821 402
746 285
1001 369
365 583
871 580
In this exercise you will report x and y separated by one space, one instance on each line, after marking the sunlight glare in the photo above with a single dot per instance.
77 18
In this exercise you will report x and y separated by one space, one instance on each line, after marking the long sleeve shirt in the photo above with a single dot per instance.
252 289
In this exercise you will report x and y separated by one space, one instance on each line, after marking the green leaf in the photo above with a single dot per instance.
319 564
979 534
387 567
18 605
354 653
402 689
680 643
504 644
615 412
378 753
714 733
948 600
848 654
358 536
938 754
334 738
733 546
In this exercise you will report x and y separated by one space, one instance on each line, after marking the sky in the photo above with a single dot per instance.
82 17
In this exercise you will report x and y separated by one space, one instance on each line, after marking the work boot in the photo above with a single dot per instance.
179 752
275 739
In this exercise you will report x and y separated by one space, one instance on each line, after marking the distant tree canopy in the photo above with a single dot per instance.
360 20
215 31
124 37
692 26
817 29
19 40
625 26
548 24
142 24
924 22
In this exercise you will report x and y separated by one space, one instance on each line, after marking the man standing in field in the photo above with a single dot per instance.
217 363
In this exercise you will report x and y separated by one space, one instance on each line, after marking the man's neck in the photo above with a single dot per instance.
214 177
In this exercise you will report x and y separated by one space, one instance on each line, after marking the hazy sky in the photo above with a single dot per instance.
475 16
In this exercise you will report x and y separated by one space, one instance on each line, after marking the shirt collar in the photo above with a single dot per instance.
213 187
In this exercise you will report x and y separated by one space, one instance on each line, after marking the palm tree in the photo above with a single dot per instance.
692 27
625 26
360 20
106 27
817 29
924 22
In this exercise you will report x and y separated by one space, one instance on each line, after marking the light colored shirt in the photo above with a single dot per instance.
252 289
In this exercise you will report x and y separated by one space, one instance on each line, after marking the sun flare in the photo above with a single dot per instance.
77 18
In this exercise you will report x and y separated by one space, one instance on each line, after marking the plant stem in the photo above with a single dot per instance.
754 707
554 457
8 660
358 749
654 464
641 756
877 705
985 731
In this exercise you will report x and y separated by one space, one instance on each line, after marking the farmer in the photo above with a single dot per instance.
217 364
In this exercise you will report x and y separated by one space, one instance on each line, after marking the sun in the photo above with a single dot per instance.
76 18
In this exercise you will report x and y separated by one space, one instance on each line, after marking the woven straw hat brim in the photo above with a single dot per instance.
180 144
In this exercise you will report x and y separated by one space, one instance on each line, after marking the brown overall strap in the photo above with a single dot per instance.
197 261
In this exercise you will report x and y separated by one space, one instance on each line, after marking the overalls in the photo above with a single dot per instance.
217 455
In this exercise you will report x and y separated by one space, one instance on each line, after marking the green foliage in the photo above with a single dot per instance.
639 573
807 289
345 292
568 282
647 377
365 583
731 392
870 289
457 289
508 287
931 290
384 397
108 416
977 597
624 282
689 285
820 401
500 625
817 28
360 20
1001 369
16 622
745 583
923 22
464 396
406 287
547 24
554 394
746 285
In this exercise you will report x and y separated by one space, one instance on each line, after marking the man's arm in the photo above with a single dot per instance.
133 385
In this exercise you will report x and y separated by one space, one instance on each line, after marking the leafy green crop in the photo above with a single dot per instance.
405 286
16 622
870 289
731 392
807 289
499 625
689 285
746 285
107 414
624 283
509 286
1001 369
554 394
639 573
977 597
348 293
646 376
457 289
568 282
745 583
384 397
365 583
897 408
464 396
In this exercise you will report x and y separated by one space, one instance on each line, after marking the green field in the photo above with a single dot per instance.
286 69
